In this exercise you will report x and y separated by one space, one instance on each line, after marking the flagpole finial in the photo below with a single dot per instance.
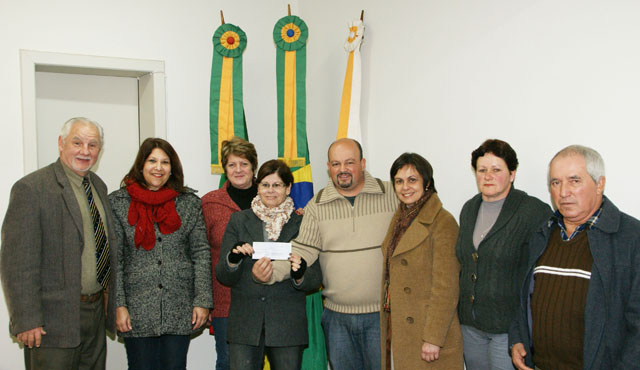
289 7
221 17
362 15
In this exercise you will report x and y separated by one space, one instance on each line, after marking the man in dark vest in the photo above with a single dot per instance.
580 303
56 261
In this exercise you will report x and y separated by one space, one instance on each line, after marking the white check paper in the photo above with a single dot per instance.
272 250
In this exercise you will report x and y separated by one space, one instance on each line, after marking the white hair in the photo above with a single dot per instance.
592 159
66 127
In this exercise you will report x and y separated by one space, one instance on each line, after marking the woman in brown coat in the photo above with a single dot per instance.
419 325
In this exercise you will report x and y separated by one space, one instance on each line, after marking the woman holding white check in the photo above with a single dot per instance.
265 319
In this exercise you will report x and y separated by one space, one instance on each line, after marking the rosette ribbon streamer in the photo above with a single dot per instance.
226 110
290 35
349 122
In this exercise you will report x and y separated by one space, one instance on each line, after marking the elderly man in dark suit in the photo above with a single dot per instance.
55 262
580 302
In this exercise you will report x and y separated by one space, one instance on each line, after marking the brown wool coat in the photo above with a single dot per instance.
424 291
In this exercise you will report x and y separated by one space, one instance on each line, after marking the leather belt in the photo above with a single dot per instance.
90 298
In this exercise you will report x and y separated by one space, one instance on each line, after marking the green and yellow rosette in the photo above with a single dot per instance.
290 36
226 110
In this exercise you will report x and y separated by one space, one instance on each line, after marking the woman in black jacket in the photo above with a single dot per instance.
265 319
492 247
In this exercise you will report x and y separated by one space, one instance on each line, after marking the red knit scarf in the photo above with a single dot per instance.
148 207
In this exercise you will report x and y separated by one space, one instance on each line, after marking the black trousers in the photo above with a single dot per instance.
247 357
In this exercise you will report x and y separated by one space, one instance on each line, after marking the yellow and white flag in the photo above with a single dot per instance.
349 123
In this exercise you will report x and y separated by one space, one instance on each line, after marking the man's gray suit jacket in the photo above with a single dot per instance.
40 259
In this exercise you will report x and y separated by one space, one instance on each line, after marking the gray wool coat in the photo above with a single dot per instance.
160 287
279 308
42 242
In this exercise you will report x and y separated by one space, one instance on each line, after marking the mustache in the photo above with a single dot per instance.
343 173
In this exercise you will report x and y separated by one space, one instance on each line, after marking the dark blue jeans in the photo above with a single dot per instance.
222 347
353 340
166 352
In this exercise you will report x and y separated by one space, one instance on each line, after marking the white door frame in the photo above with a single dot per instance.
151 90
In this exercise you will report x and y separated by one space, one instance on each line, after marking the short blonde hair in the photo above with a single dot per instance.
240 147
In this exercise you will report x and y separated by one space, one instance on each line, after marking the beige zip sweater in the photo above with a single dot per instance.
346 241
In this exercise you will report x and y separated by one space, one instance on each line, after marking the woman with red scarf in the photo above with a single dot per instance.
164 273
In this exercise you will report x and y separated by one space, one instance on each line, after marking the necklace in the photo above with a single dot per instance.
486 231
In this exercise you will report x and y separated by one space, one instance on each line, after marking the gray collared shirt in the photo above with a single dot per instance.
89 280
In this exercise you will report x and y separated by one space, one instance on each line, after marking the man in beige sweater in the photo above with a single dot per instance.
343 227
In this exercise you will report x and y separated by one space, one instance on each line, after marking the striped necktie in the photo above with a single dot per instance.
103 268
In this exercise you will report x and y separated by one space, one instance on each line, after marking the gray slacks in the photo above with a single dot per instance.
89 355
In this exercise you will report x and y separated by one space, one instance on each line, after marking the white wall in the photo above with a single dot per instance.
439 77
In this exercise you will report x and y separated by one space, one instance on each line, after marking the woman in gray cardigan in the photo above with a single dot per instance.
492 247
265 319
164 273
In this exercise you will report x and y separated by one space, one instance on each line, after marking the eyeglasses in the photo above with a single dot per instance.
275 186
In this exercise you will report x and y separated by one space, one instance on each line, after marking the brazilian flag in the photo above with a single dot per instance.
290 35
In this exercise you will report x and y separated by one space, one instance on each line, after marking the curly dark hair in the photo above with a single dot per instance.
500 149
